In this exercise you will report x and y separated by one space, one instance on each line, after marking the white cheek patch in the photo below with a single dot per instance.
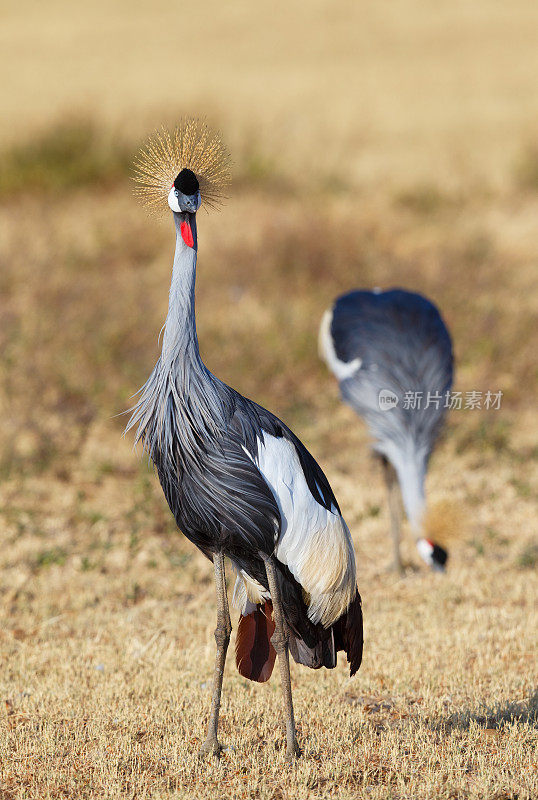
172 200
425 550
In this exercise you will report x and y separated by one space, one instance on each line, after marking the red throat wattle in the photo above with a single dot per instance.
186 234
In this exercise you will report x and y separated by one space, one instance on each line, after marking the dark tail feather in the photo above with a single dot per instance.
348 634
254 653
322 654
291 595
295 609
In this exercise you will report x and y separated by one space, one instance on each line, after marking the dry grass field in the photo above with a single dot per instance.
429 180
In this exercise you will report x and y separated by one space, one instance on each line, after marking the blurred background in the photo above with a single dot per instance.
374 144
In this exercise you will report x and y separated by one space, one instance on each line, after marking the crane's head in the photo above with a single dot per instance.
187 167
184 196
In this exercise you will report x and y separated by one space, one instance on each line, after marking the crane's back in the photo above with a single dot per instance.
392 355
399 344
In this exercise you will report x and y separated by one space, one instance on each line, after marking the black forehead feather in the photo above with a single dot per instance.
186 182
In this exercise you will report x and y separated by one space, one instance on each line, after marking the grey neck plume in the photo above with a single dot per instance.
180 339
181 403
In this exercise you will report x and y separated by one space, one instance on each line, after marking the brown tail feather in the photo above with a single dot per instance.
254 653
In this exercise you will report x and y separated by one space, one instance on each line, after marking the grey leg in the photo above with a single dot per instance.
223 630
391 482
280 643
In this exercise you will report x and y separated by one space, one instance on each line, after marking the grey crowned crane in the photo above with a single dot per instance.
239 483
392 356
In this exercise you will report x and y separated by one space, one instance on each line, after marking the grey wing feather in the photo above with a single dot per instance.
404 346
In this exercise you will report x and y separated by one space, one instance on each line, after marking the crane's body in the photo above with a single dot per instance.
240 484
392 356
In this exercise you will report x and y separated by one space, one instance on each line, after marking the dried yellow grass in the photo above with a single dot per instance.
406 129
424 94
107 613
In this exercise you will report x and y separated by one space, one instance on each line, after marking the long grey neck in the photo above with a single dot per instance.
180 342
181 403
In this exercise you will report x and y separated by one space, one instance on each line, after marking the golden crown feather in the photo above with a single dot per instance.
192 145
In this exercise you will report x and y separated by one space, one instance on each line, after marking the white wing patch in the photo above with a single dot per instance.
314 543
340 369
247 592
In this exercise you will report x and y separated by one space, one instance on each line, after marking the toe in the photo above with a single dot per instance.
210 747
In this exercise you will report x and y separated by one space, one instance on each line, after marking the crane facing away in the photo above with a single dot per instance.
239 483
392 356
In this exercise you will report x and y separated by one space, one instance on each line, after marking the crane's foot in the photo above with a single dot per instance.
293 751
211 747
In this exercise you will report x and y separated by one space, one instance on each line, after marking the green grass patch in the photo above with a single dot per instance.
54 555
71 153
423 200
528 557
488 435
